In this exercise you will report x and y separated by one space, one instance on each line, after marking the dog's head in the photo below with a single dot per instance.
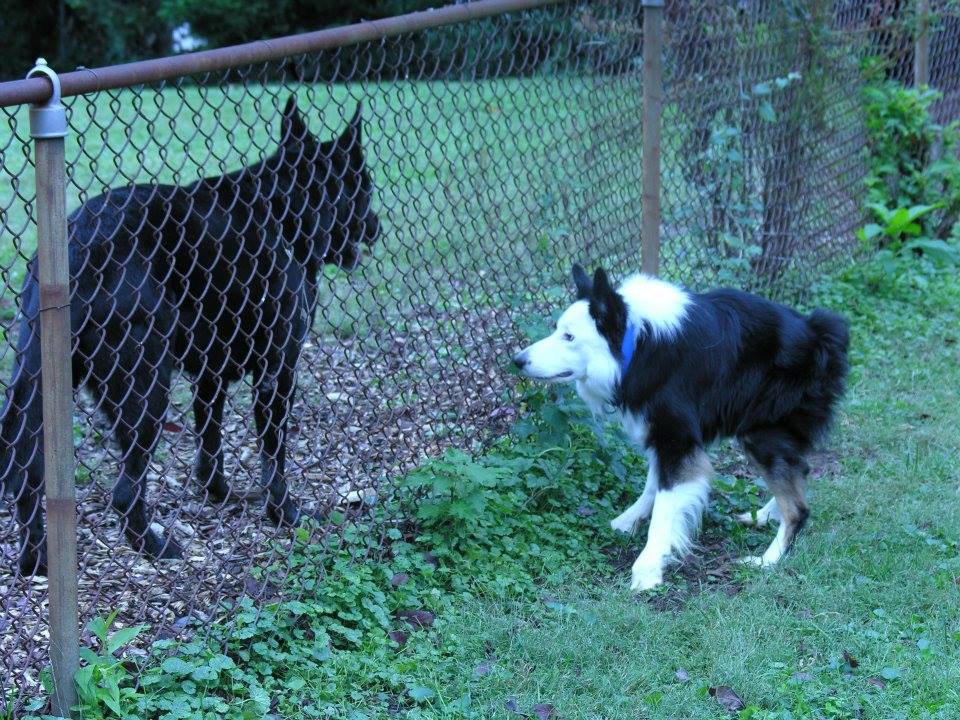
330 190
587 339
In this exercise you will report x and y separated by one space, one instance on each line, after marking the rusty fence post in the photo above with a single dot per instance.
652 106
48 128
921 53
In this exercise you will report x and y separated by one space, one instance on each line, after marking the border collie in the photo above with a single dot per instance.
681 370
219 278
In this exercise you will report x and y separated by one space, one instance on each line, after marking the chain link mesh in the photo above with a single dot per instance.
498 152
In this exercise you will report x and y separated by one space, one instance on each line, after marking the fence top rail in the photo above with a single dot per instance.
78 82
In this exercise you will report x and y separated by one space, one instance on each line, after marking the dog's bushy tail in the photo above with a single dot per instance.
21 420
830 350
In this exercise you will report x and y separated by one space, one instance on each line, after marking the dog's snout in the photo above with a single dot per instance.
520 360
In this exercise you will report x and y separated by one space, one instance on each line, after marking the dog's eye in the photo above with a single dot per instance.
568 337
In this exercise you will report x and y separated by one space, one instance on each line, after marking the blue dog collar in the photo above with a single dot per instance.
629 346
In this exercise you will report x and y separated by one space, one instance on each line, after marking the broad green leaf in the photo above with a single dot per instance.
937 250
177 666
420 693
123 637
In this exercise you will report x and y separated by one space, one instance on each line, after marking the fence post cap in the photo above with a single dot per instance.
48 120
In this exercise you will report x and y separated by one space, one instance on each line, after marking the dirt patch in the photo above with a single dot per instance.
711 569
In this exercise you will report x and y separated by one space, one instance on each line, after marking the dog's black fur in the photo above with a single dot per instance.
218 278
738 366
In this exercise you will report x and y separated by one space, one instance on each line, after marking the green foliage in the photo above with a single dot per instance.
913 190
914 179
228 22
104 682
91 33
725 171
334 640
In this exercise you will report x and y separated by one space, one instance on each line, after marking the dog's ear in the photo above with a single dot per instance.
604 300
349 140
582 282
293 128
601 283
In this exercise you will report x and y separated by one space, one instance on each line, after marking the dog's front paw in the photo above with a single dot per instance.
755 561
624 523
645 575
33 562
285 514
157 545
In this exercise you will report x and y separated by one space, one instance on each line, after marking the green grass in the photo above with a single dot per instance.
876 574
509 562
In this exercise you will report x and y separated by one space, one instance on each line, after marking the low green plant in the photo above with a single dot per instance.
349 627
914 178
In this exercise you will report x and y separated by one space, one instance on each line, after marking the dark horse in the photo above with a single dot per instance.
218 278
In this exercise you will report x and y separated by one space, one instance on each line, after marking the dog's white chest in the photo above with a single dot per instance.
635 426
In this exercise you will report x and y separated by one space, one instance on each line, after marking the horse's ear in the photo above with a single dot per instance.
581 282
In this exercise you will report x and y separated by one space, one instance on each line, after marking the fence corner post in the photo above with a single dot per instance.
921 51
652 107
48 128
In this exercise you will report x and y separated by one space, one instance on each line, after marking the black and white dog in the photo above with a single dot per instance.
683 369
218 278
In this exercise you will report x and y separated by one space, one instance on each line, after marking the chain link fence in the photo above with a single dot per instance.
333 303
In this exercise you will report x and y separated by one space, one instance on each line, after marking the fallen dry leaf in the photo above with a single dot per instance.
512 706
877 683
850 660
416 618
727 698
543 711
398 636
399 579
484 668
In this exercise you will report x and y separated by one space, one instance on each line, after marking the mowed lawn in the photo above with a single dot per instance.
862 620
493 181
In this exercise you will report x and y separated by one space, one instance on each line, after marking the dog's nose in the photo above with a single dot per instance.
520 361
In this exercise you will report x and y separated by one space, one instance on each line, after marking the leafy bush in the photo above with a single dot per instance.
914 179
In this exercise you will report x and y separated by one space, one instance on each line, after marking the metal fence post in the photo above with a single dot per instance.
652 101
921 55
48 128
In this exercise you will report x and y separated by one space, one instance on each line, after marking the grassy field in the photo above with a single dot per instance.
862 621
508 595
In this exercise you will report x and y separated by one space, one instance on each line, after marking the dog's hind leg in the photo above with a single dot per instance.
208 403
272 401
21 437
677 510
136 394
786 472
626 522
23 430
766 514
